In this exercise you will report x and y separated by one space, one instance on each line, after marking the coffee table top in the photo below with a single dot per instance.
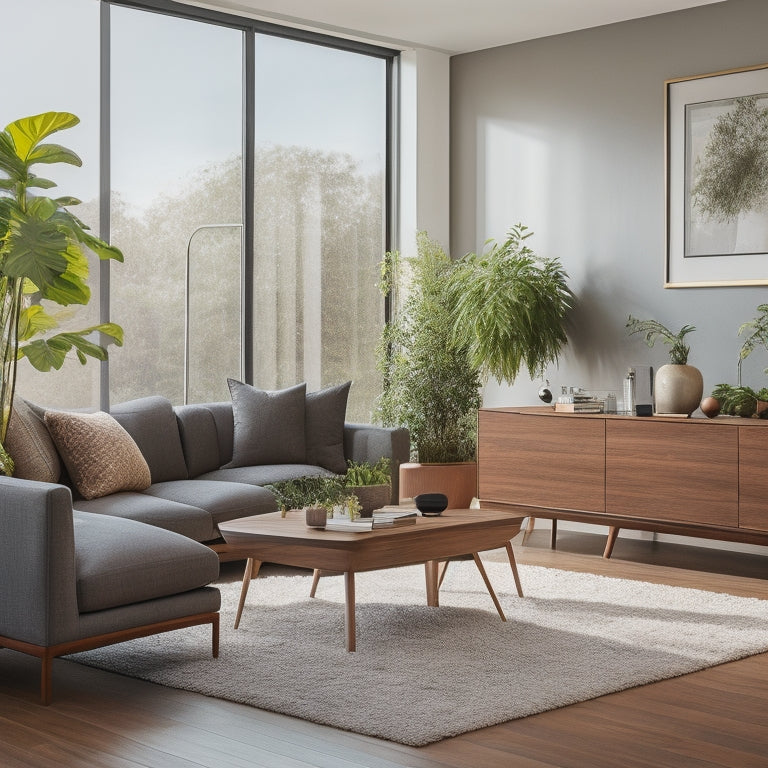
289 541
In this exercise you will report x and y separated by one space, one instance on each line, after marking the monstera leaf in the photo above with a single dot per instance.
42 259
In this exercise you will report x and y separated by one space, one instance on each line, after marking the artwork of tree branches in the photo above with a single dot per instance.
731 175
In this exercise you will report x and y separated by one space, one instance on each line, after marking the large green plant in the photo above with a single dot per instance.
429 385
509 307
42 261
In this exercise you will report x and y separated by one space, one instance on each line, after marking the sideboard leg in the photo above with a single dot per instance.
613 532
553 534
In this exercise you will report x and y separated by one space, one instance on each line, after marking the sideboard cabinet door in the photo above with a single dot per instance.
753 477
686 472
541 461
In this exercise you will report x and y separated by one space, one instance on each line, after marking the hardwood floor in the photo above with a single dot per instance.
717 717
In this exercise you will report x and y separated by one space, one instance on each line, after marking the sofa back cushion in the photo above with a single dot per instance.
151 422
200 438
268 425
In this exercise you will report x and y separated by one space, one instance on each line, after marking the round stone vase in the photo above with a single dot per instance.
678 389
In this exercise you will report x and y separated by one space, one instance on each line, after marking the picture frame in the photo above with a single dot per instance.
716 174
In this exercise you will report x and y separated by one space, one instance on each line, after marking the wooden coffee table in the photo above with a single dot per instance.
430 540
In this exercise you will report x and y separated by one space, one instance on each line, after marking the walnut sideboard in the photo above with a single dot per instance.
698 477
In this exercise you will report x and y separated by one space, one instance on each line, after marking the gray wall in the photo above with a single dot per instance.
566 134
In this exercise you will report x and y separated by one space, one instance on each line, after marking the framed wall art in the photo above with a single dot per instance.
717 178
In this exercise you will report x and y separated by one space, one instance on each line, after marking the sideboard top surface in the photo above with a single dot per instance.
548 410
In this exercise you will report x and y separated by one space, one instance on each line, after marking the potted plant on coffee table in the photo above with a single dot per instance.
678 387
370 483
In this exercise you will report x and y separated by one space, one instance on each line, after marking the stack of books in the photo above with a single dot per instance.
580 402
382 518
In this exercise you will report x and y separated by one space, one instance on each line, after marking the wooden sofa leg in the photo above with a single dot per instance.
46 679
215 636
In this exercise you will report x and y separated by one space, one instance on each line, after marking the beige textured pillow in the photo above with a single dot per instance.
99 454
30 445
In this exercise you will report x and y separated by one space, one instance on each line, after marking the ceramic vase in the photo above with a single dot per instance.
678 389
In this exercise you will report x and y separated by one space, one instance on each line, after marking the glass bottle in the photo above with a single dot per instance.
629 392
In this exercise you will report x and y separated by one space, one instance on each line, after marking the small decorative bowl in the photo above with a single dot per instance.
431 504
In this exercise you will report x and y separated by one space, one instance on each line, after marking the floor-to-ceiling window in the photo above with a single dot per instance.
320 217
245 162
50 52
176 164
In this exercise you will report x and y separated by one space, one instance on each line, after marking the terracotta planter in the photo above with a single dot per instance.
678 389
457 481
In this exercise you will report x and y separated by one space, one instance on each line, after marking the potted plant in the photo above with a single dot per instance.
429 385
510 307
741 400
370 484
461 321
678 387
42 260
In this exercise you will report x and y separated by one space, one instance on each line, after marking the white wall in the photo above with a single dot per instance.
424 147
566 134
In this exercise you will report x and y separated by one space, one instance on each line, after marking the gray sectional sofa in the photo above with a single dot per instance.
111 530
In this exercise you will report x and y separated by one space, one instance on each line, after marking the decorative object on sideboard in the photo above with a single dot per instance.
678 387
741 400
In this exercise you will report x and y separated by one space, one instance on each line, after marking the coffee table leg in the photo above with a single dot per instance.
513 565
349 609
251 569
481 568
430 573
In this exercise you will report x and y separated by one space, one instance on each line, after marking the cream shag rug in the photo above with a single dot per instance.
422 674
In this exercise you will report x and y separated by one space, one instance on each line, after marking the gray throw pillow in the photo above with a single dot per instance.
326 411
269 426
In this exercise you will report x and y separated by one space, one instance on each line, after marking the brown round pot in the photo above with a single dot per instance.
457 481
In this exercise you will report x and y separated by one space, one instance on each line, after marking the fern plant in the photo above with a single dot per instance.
652 330
739 401
757 336
510 307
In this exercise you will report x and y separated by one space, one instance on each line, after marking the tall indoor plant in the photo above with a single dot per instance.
42 261
455 323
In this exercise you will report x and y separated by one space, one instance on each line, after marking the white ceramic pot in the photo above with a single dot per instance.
678 389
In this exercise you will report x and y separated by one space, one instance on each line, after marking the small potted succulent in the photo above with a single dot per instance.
678 387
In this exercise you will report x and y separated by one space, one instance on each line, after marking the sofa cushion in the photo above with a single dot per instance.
120 562
221 500
100 456
266 473
268 426
186 519
199 439
324 416
30 445
151 422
